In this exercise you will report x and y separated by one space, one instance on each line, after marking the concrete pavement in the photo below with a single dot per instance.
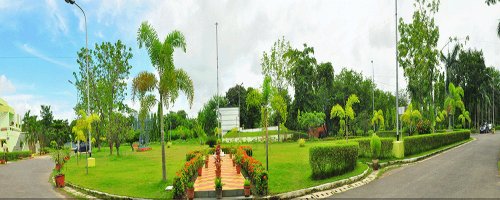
27 179
469 171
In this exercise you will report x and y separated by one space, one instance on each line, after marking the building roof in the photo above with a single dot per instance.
4 107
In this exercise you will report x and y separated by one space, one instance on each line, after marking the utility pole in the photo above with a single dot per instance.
397 88
373 93
217 58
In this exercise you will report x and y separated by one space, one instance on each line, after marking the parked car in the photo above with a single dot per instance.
485 128
82 148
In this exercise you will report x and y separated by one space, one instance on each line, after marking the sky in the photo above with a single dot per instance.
39 41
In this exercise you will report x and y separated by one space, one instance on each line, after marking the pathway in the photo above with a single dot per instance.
464 172
230 179
27 179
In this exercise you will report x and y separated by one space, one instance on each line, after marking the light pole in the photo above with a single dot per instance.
217 58
373 93
89 149
397 87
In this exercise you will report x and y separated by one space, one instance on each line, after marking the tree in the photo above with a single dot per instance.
453 101
276 65
31 127
463 117
46 123
61 131
310 120
411 117
266 96
254 111
118 130
171 80
279 109
418 55
378 119
345 113
236 97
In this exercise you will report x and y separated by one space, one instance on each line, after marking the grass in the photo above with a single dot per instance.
135 174
254 134
289 167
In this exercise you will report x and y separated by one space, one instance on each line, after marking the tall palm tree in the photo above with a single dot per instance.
449 61
498 29
453 101
170 80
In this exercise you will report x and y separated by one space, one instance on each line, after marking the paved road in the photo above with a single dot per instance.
27 179
468 171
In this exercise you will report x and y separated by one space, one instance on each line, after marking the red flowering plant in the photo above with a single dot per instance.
186 174
254 169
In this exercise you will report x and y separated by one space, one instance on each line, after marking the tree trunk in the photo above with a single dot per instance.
163 167
110 147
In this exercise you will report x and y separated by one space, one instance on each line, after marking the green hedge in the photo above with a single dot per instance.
387 133
328 161
366 152
420 143
16 155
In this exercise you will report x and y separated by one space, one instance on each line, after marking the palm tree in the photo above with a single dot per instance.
345 114
453 101
450 60
498 30
411 116
170 80
464 117
378 119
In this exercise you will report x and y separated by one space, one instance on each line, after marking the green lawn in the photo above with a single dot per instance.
136 174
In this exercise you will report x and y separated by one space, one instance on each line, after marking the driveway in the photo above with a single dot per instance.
469 171
27 179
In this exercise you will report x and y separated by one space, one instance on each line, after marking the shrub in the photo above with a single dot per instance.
359 132
16 155
387 133
420 143
328 161
298 135
186 175
211 141
371 132
190 155
423 127
375 146
302 143
254 169
365 149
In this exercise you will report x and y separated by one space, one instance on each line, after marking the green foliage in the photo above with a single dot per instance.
378 119
186 175
365 150
345 114
454 101
211 141
276 65
84 124
302 142
15 155
310 120
420 143
327 161
418 53
375 146
246 183
257 173
424 127
411 117
218 183
207 116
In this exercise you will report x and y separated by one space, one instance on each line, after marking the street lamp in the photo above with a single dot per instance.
87 59
373 93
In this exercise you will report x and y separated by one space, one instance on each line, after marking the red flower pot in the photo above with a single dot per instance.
206 163
190 193
238 169
58 167
199 171
234 163
2 162
218 173
66 158
247 191
60 180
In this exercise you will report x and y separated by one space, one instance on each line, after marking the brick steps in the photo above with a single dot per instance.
204 186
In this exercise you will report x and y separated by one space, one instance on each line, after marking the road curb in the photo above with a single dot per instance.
99 194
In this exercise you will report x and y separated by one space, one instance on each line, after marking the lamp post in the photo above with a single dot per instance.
397 87
217 59
89 149
373 93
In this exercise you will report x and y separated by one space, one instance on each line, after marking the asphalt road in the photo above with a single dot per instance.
27 179
469 171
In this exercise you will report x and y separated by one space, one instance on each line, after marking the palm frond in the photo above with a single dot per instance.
185 84
144 82
176 40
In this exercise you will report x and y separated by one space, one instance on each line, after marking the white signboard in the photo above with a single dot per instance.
229 118
401 110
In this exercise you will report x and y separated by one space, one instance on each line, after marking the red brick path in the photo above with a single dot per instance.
230 178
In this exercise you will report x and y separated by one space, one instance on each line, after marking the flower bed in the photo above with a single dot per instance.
142 149
187 174
253 168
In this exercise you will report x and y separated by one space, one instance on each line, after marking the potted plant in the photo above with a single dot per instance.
206 161
218 187
67 153
246 187
3 159
375 145
199 170
238 168
190 190
58 157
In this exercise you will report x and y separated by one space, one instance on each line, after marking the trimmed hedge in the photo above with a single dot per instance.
16 155
420 143
365 150
328 161
387 133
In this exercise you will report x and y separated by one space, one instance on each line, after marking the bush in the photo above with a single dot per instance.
423 127
370 132
186 175
15 155
328 161
420 143
365 149
211 141
302 143
359 132
254 169
375 146
387 133
190 155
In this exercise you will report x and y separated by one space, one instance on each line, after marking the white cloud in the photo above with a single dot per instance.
6 86
23 103
36 53
56 15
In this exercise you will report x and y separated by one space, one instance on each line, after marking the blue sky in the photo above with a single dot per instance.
39 40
